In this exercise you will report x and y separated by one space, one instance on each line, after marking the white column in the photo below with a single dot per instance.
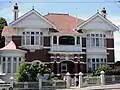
81 41
12 65
17 62
6 64
57 40
102 77
1 64
51 40
80 79
75 40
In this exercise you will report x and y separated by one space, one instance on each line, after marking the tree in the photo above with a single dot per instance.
21 76
29 72
3 23
106 69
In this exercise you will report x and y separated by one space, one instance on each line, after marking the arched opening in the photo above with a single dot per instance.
67 66
66 40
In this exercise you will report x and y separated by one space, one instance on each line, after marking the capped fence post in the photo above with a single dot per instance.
26 85
76 80
68 80
102 77
80 79
11 82
40 81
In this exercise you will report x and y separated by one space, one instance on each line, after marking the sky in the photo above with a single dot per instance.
78 8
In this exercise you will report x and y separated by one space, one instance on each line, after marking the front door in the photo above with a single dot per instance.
67 66
64 68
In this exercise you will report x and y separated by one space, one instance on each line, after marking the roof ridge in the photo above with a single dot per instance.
58 13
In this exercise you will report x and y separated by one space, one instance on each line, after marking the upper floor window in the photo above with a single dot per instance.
78 40
32 38
66 40
96 40
55 40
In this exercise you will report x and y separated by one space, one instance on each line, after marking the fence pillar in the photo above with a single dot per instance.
40 81
80 79
76 80
26 85
102 77
11 82
68 80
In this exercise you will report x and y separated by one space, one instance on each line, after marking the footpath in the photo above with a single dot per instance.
103 87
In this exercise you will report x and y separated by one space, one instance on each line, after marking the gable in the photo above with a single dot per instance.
32 19
98 22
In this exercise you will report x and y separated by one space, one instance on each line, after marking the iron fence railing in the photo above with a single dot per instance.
91 80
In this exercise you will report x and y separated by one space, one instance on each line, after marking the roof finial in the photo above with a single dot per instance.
32 7
97 11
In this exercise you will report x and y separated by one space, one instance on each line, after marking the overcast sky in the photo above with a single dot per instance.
79 8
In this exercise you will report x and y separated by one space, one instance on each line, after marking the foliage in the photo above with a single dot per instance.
3 23
20 74
116 70
106 69
30 72
53 78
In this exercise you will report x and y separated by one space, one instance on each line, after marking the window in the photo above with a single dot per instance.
97 60
88 40
32 38
9 65
55 40
19 60
93 67
66 40
4 62
105 60
92 41
78 40
96 40
27 40
101 60
46 41
95 63
93 60
89 60
14 64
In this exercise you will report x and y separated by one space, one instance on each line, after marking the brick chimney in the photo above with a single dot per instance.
15 11
103 12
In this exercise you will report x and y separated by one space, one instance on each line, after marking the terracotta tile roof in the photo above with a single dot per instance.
64 22
10 46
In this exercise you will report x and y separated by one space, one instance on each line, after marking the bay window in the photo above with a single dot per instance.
9 64
32 38
95 63
96 40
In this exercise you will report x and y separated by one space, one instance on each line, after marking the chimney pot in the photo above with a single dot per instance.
103 12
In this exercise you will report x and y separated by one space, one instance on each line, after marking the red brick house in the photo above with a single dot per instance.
66 43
